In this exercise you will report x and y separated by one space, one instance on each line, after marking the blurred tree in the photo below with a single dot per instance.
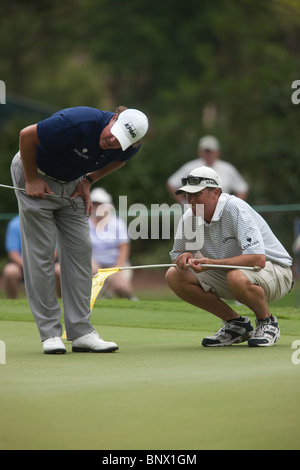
219 67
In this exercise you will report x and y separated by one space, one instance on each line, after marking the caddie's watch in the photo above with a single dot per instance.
87 177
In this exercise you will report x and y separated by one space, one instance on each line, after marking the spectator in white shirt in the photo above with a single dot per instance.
209 155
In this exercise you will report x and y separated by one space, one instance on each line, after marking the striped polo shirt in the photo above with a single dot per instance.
235 229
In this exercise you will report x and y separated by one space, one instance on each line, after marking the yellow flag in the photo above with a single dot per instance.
98 281
97 284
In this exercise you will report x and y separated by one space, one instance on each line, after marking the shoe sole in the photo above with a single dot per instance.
85 350
56 351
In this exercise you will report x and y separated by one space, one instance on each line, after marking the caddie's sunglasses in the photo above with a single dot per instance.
195 180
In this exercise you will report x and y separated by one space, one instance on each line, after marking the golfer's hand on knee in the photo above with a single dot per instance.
83 190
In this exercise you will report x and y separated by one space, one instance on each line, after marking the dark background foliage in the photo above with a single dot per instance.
223 68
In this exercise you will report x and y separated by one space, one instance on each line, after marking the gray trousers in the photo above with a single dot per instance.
46 223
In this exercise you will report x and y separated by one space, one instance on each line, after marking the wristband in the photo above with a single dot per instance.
87 177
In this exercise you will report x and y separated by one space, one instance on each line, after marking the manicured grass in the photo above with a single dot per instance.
161 390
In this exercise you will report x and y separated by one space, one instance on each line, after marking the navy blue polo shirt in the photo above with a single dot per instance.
69 143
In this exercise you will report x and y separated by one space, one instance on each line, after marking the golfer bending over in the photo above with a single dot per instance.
64 155
232 234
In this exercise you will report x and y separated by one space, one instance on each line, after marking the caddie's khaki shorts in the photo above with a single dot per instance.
276 281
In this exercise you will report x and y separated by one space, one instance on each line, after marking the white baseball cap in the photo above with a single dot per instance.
130 127
200 178
209 142
101 196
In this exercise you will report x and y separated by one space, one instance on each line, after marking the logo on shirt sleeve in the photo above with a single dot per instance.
250 243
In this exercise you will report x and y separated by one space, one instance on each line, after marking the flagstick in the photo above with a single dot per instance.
102 274
149 266
216 266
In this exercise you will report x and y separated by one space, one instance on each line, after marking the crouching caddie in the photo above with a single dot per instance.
233 233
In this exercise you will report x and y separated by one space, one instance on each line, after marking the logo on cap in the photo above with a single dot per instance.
209 181
131 129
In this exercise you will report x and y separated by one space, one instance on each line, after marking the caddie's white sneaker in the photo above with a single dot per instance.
54 346
234 331
266 334
93 343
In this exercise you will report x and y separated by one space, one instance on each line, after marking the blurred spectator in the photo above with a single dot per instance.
209 155
296 251
110 245
13 270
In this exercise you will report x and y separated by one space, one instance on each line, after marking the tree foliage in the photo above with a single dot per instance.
221 67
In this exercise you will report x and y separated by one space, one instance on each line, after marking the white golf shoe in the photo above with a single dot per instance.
93 343
54 346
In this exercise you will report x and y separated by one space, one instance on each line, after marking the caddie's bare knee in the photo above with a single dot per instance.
170 275
236 278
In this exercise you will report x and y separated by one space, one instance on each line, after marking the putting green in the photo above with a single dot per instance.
161 390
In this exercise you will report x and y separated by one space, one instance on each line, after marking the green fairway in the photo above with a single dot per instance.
161 390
